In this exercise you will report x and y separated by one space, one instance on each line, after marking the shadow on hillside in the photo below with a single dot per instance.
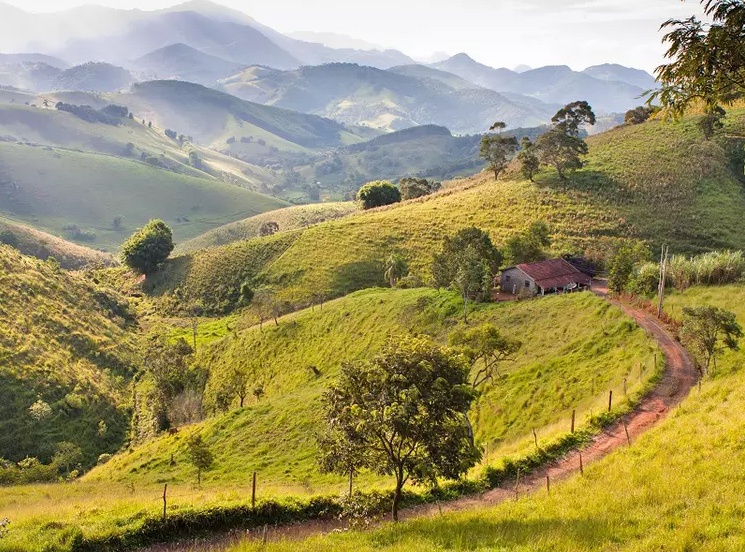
171 275
358 275
480 532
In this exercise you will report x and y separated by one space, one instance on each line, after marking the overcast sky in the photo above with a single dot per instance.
501 33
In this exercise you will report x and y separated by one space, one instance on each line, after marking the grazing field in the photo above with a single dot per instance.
289 218
679 487
655 182
574 351
42 246
81 194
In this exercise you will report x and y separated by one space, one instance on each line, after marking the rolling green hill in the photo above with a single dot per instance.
79 195
65 342
678 487
38 244
290 218
657 182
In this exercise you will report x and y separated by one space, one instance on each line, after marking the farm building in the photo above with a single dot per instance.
551 276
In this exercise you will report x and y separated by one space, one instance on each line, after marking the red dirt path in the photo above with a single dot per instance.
678 378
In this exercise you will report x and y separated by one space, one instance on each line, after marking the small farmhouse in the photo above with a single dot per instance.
551 276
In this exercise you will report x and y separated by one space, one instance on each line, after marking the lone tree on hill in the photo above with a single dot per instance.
485 348
148 247
707 60
200 455
561 147
498 149
377 194
708 331
401 414
529 162
268 228
467 263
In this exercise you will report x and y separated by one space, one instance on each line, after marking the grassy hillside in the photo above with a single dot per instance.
130 139
657 182
679 487
290 218
212 117
566 341
65 342
42 246
52 189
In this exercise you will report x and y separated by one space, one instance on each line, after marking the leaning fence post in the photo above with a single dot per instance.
253 492
535 438
626 429
548 484
581 467
610 400
165 503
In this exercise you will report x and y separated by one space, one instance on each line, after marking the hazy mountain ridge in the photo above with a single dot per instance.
388 100
608 88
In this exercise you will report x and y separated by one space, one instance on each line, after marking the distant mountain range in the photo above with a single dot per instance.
608 88
388 100
354 82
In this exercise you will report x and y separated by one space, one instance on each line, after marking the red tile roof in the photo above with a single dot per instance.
554 273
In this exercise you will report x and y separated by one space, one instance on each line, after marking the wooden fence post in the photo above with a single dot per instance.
253 492
351 475
165 503
548 484
535 438
626 430
581 467
610 400
574 413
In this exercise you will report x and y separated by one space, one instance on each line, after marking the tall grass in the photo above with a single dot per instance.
716 268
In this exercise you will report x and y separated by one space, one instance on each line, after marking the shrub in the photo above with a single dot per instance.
147 248
377 194
9 238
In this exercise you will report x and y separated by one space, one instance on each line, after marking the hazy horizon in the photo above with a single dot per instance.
503 33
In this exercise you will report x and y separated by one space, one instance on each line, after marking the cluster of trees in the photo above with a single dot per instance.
109 115
561 147
65 465
383 192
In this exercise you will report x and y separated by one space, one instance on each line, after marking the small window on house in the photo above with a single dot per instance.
527 283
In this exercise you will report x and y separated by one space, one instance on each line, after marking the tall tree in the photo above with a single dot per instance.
498 149
467 262
529 162
485 348
707 60
401 414
708 331
562 147
148 247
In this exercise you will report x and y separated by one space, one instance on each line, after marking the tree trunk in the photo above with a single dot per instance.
276 322
397 498
242 397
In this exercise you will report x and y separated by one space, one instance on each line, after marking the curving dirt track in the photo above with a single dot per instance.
679 377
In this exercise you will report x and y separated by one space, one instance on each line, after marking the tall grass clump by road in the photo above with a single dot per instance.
678 487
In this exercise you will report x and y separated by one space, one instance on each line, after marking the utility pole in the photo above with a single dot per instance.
664 257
